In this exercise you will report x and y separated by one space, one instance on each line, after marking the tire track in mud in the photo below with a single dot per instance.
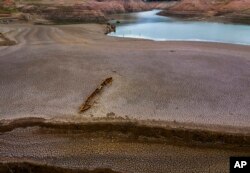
32 36
53 34
43 35
58 36
64 37
19 36
35 35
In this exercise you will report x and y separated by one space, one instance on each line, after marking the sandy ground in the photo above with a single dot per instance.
52 70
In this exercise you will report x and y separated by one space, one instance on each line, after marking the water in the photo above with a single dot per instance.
148 25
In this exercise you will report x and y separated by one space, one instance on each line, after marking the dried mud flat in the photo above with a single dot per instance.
50 149
122 104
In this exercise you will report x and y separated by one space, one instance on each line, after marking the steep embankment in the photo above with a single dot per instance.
87 11
226 10
216 5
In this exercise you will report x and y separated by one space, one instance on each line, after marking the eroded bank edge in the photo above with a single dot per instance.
137 132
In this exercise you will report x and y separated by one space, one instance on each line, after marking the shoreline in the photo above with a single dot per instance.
176 40
202 16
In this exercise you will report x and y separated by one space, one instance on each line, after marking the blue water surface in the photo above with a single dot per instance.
149 25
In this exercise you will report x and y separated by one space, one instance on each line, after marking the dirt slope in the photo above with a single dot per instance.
217 5
237 11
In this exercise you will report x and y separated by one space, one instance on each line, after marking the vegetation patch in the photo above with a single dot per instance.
7 10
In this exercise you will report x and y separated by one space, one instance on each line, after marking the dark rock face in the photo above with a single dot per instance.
110 28
75 15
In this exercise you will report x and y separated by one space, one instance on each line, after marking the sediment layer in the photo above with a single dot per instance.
234 11
87 11
136 131
26 167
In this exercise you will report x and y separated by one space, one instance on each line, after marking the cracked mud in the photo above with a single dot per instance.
176 102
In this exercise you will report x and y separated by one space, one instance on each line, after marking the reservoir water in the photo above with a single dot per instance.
149 25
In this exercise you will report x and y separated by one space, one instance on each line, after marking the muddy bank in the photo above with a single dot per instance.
137 131
25 167
238 18
77 150
232 11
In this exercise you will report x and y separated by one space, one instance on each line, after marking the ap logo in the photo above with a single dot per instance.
239 164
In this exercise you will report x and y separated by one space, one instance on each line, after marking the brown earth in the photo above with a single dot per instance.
4 41
75 11
53 68
25 167
56 68
213 5
237 11
97 11
140 131
78 151
81 11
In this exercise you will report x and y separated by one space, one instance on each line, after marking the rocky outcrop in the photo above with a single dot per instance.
89 11
110 28
212 5
226 10
7 3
